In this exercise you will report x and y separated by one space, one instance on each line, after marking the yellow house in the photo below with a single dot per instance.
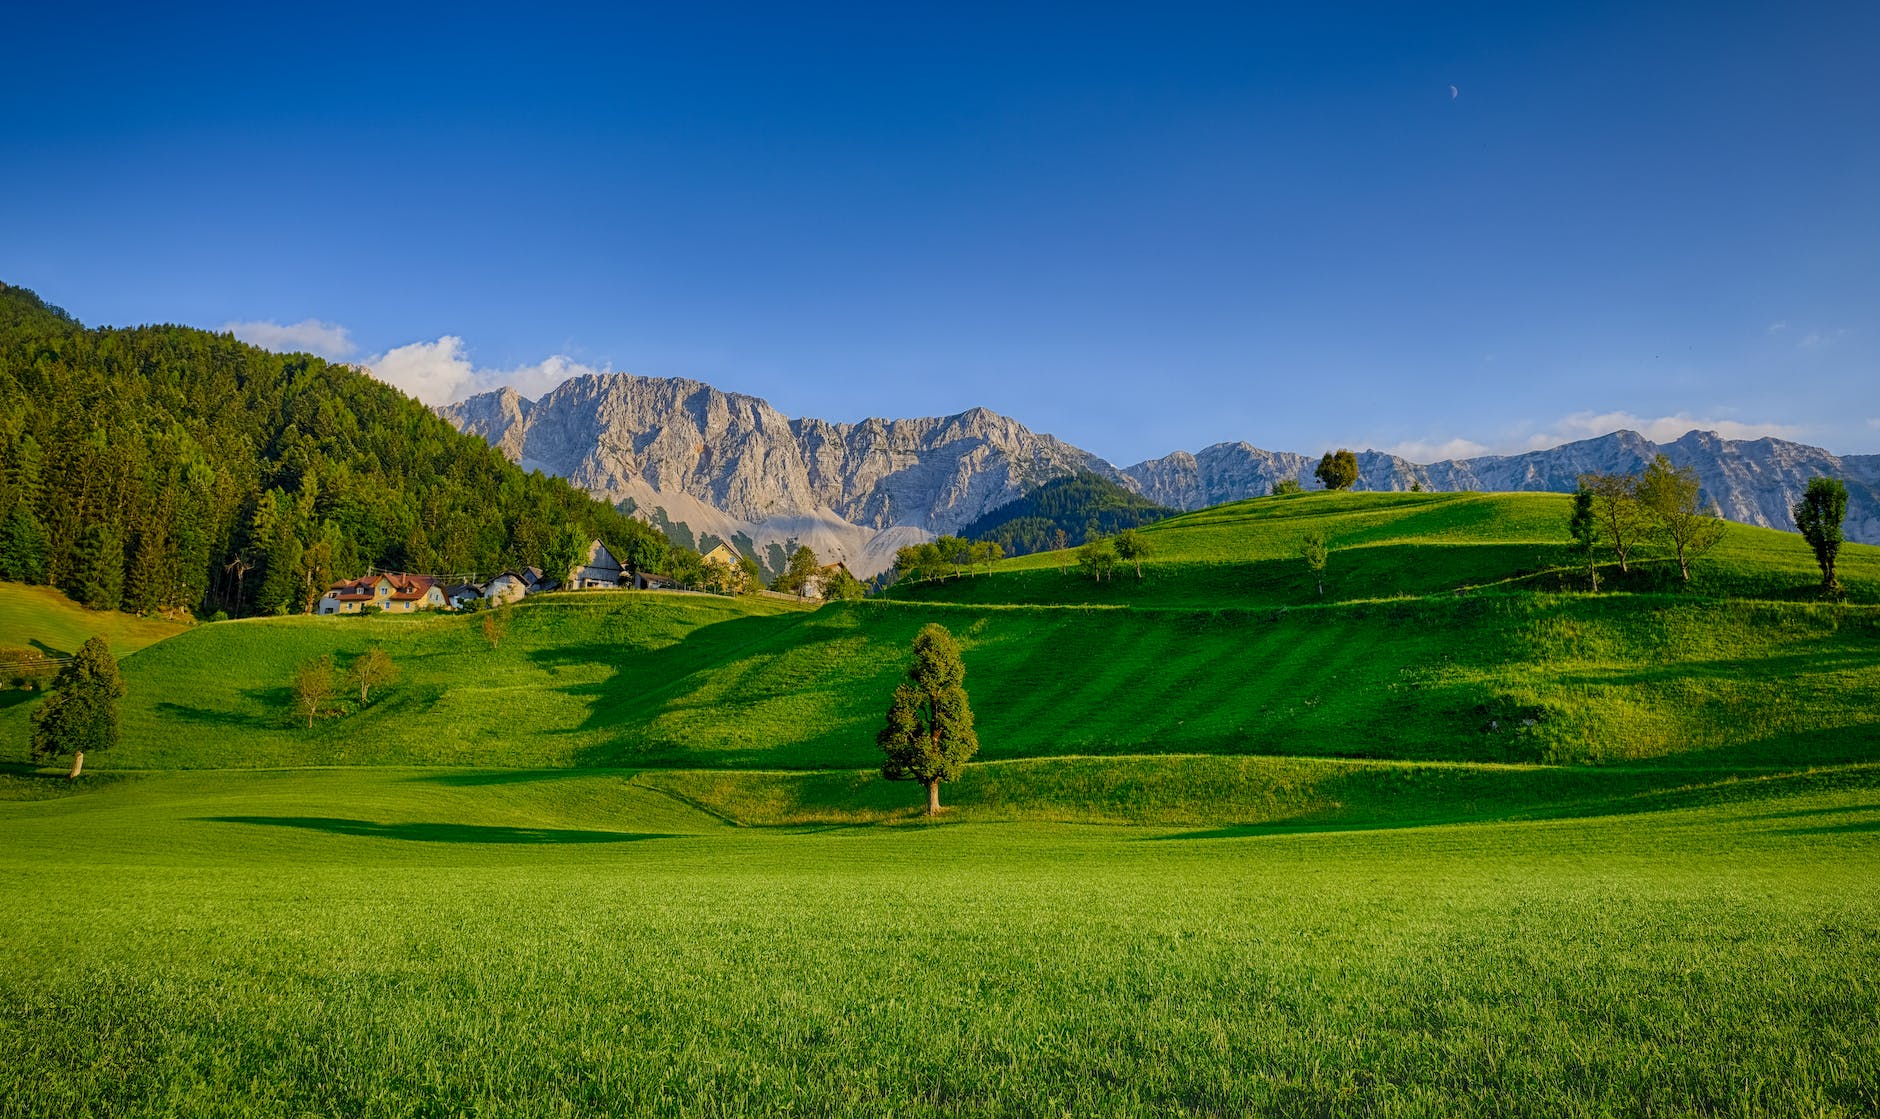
393 592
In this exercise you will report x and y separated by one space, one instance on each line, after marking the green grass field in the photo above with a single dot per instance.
1458 839
424 942
42 619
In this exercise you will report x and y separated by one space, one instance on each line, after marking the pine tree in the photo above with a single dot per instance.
95 575
22 546
929 733
1583 526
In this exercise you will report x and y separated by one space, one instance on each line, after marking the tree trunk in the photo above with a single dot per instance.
933 798
78 764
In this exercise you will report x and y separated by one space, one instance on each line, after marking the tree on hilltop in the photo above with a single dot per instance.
1671 496
1338 470
1818 515
81 714
1285 486
929 733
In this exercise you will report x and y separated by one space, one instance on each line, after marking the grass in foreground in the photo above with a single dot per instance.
401 942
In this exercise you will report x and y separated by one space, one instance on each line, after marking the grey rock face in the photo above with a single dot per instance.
685 447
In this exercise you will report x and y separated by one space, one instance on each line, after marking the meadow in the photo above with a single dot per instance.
393 942
1459 838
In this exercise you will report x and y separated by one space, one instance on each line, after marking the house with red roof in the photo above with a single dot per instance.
392 592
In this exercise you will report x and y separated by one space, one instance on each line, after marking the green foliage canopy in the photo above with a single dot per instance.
1819 515
81 714
929 733
1338 470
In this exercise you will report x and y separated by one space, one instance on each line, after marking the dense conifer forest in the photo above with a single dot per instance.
164 468
1065 511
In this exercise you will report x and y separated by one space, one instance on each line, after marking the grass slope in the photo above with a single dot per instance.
1393 544
691 681
398 942
42 619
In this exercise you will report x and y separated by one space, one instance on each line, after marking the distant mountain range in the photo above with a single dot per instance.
704 464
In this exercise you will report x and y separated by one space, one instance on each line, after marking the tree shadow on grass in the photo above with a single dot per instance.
439 833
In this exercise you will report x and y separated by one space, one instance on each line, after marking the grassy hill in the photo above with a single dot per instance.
1385 545
1505 674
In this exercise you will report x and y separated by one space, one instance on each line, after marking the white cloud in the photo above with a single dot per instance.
1778 326
1422 451
1874 423
441 372
1820 339
325 339
1660 429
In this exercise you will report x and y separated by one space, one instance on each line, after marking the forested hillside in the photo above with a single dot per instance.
162 467
1064 511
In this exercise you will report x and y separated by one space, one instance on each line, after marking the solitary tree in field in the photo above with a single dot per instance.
313 687
495 623
1285 486
1131 547
1819 514
1584 528
1338 470
1670 496
929 733
81 713
370 669
1315 551
1622 521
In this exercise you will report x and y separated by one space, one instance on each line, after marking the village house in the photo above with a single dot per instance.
392 592
601 570
462 595
512 585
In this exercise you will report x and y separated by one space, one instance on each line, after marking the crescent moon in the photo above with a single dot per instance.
1453 93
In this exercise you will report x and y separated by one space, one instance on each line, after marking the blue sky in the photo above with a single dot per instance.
1141 228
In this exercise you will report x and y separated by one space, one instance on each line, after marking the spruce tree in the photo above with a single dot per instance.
22 547
929 733
95 575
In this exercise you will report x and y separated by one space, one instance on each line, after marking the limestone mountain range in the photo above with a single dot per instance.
705 464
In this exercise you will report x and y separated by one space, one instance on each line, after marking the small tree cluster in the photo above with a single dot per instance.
799 575
1287 486
1663 505
948 557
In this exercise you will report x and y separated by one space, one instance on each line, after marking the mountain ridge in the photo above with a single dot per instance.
703 463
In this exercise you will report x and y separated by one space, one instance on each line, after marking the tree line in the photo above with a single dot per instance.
166 468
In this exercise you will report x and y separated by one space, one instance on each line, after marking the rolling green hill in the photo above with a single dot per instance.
1502 675
1391 544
